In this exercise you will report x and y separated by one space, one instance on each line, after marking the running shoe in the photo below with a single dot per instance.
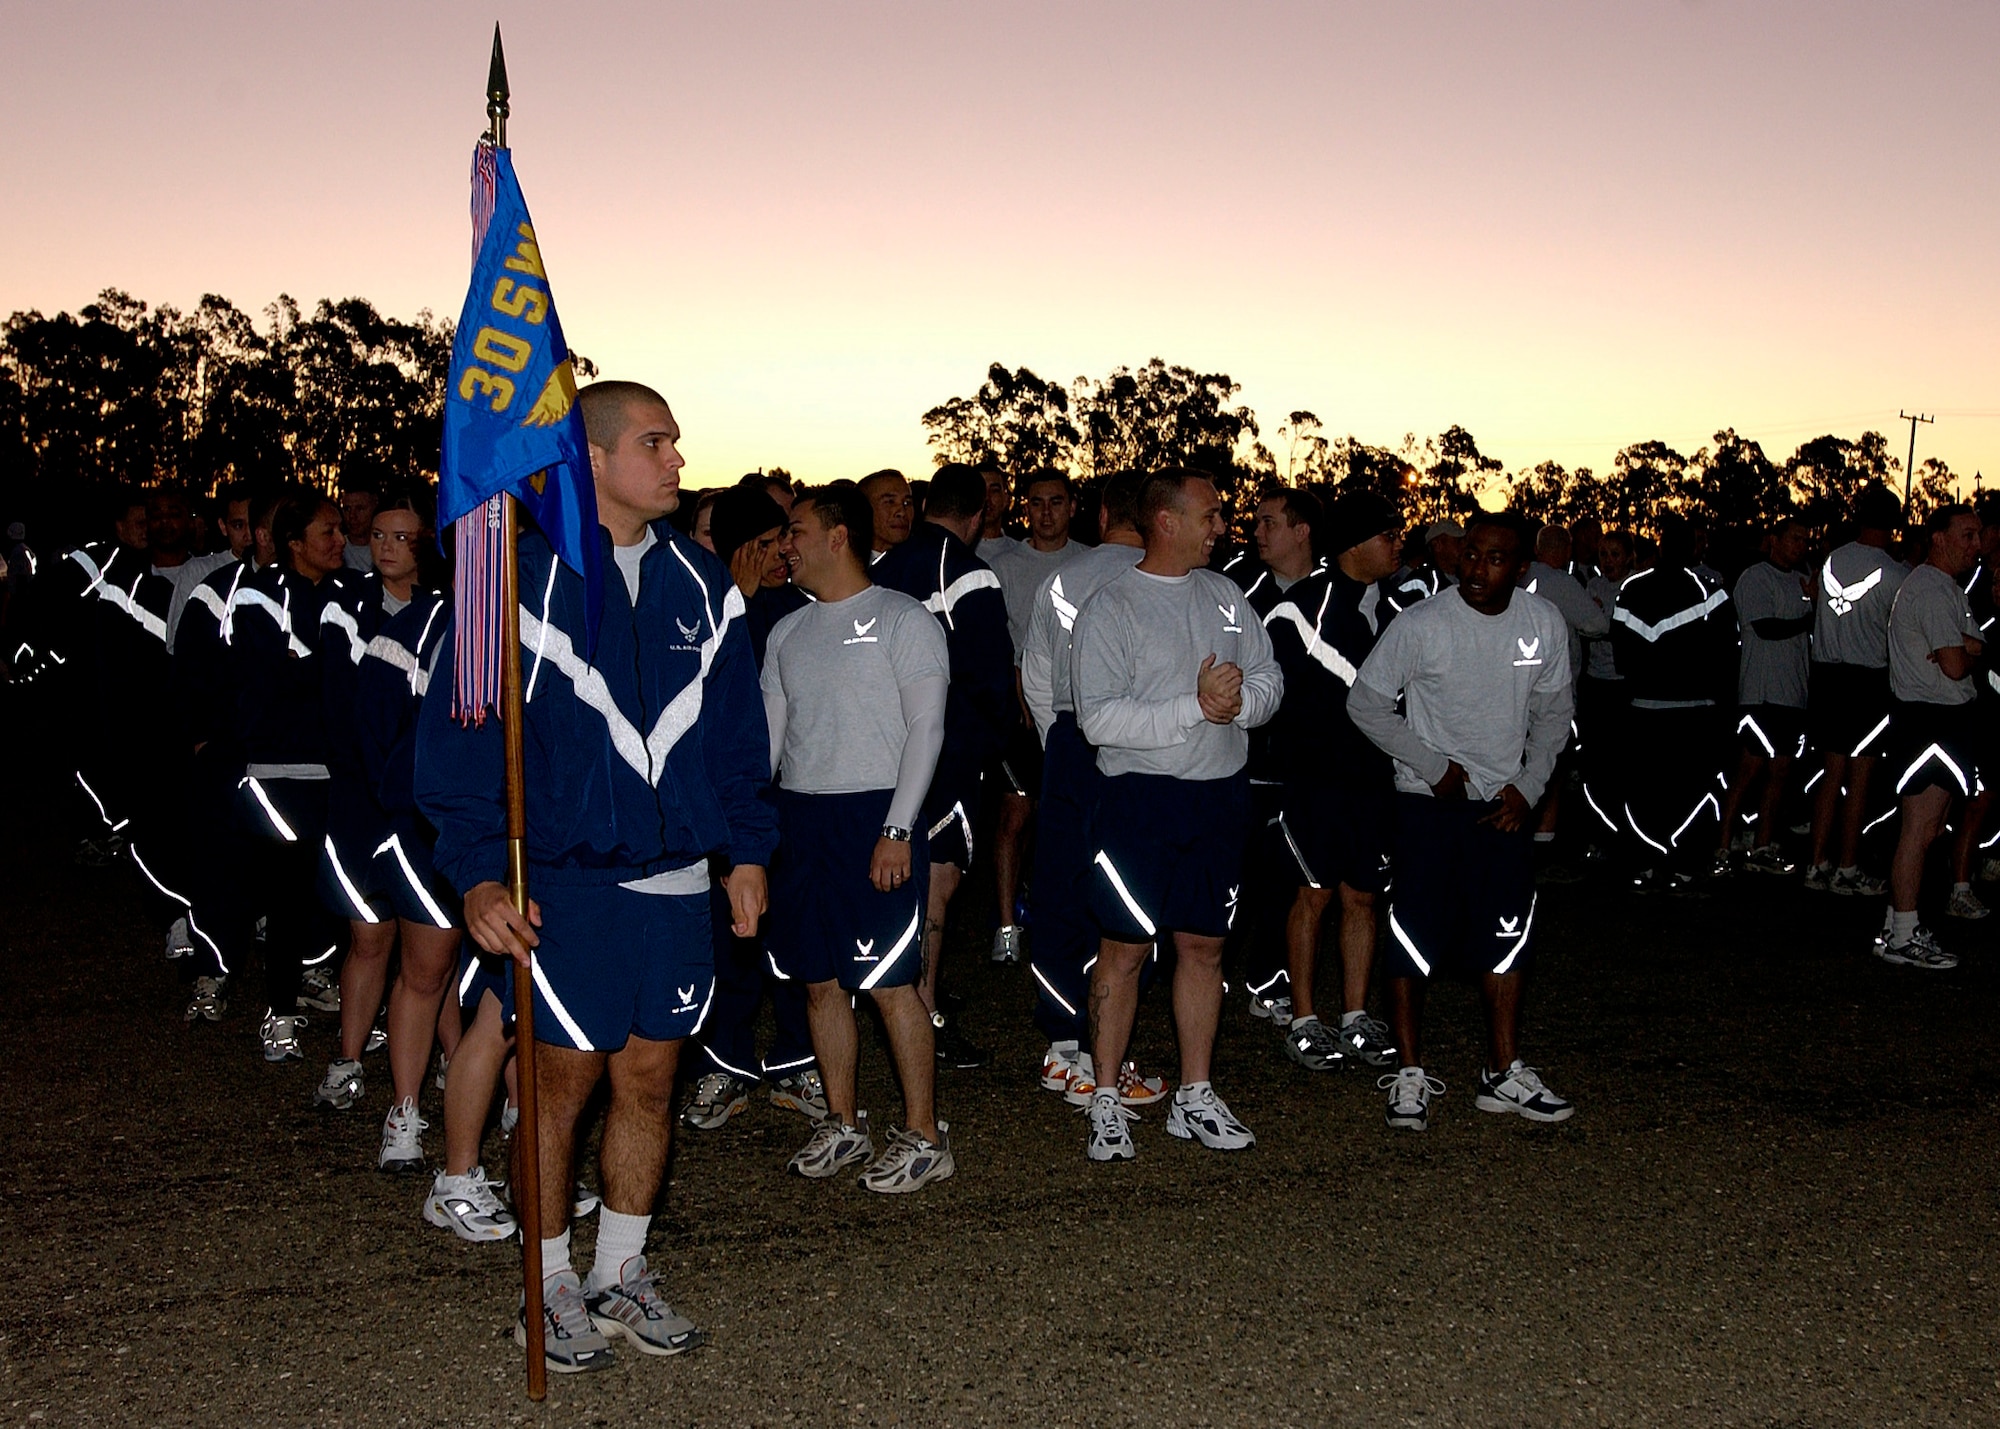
1136 1089
378 1037
586 1203
1314 1045
341 1087
469 1207
1110 1138
1769 859
1521 1091
910 1163
954 1048
179 944
281 1037
801 1091
1722 865
1198 1114
208 1003
1368 1040
634 1309
1857 884
1275 1010
1410 1093
717 1097
402 1139
571 1341
1922 951
444 1065
1819 878
510 1116
1965 904
832 1146
1007 944
317 990
1989 870
1061 1067
1558 873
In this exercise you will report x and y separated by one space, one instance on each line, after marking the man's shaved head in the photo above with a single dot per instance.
610 409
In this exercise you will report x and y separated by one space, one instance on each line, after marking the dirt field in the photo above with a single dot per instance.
1777 1204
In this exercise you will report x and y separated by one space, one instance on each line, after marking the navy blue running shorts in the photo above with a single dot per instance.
615 962
1933 747
1332 833
1772 731
1168 855
828 922
1464 897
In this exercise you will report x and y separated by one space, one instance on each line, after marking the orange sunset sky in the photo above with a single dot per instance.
1566 226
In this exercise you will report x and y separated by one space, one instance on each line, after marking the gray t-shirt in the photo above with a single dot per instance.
629 559
1931 613
991 548
1603 593
1138 648
1490 691
1584 616
1772 672
1857 586
841 683
358 558
1045 651
1023 571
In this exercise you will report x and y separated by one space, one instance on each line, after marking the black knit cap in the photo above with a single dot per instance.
1355 517
741 514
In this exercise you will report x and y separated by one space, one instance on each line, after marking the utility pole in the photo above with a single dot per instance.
1910 471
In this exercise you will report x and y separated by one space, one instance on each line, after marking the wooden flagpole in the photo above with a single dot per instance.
527 1129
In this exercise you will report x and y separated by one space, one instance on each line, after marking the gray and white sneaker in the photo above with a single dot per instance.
317 990
341 1087
444 1066
469 1207
802 1092
179 943
402 1139
1858 884
571 1341
1520 1091
281 1037
717 1097
1275 1010
634 1309
208 1003
1722 865
1009 944
1110 1138
378 1037
1314 1045
1198 1114
1367 1039
1922 951
1410 1093
832 1146
1770 859
1966 904
1819 878
911 1162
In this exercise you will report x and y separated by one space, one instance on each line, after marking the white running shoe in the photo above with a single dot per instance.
402 1139
469 1207
1061 1068
1858 884
179 944
1770 859
1965 904
341 1087
1819 878
444 1066
1520 1090
281 1037
832 1146
1198 1114
208 1003
1410 1093
1922 951
1007 944
910 1163
317 990
1110 1140
1275 1010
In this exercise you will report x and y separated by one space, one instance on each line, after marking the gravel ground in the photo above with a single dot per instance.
1776 1205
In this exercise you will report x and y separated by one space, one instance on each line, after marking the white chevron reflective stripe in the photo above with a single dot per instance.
465 980
682 711
1409 946
354 898
1065 612
399 656
555 1005
548 594
278 823
1694 814
281 616
394 844
1298 854
1935 751
902 946
1870 737
206 595
1520 942
1641 832
1050 989
1327 657
1125 894
125 600
1649 633
333 615
942 602
1843 598
1749 722
702 1016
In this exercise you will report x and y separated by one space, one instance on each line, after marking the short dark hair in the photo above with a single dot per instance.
956 491
361 480
264 506
1877 509
121 501
1302 508
1939 521
1119 501
607 408
232 491
294 512
1162 489
840 503
885 471
1521 526
1035 478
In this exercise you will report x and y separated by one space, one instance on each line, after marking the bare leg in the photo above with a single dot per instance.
362 978
1009 836
1976 810
1357 947
1923 816
468 1086
1503 1016
912 1044
564 1080
1406 1015
836 1042
1551 811
1747 765
638 1125
1826 807
1114 1003
428 953
1767 806
944 883
1855 810
450 1027
1197 1005
1302 944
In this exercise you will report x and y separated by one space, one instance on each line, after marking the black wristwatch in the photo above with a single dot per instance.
894 834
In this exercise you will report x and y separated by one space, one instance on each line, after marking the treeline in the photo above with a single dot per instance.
1159 415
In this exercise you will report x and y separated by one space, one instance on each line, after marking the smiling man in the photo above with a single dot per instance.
643 762
1483 672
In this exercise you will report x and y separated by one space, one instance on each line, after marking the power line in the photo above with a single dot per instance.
1910 470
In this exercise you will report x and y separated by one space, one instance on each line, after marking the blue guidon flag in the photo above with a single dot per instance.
511 425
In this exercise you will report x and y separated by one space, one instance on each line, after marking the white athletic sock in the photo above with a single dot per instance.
1958 888
1902 926
1191 1090
619 1238
1302 1021
1067 1049
555 1256
1851 869
1348 1019
1542 837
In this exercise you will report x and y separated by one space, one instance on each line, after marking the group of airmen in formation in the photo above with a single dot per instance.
761 766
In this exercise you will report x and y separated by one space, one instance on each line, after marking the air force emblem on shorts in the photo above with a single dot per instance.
1530 651
861 635
867 950
687 996
1229 619
1509 927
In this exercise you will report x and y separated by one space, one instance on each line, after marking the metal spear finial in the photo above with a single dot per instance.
496 93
